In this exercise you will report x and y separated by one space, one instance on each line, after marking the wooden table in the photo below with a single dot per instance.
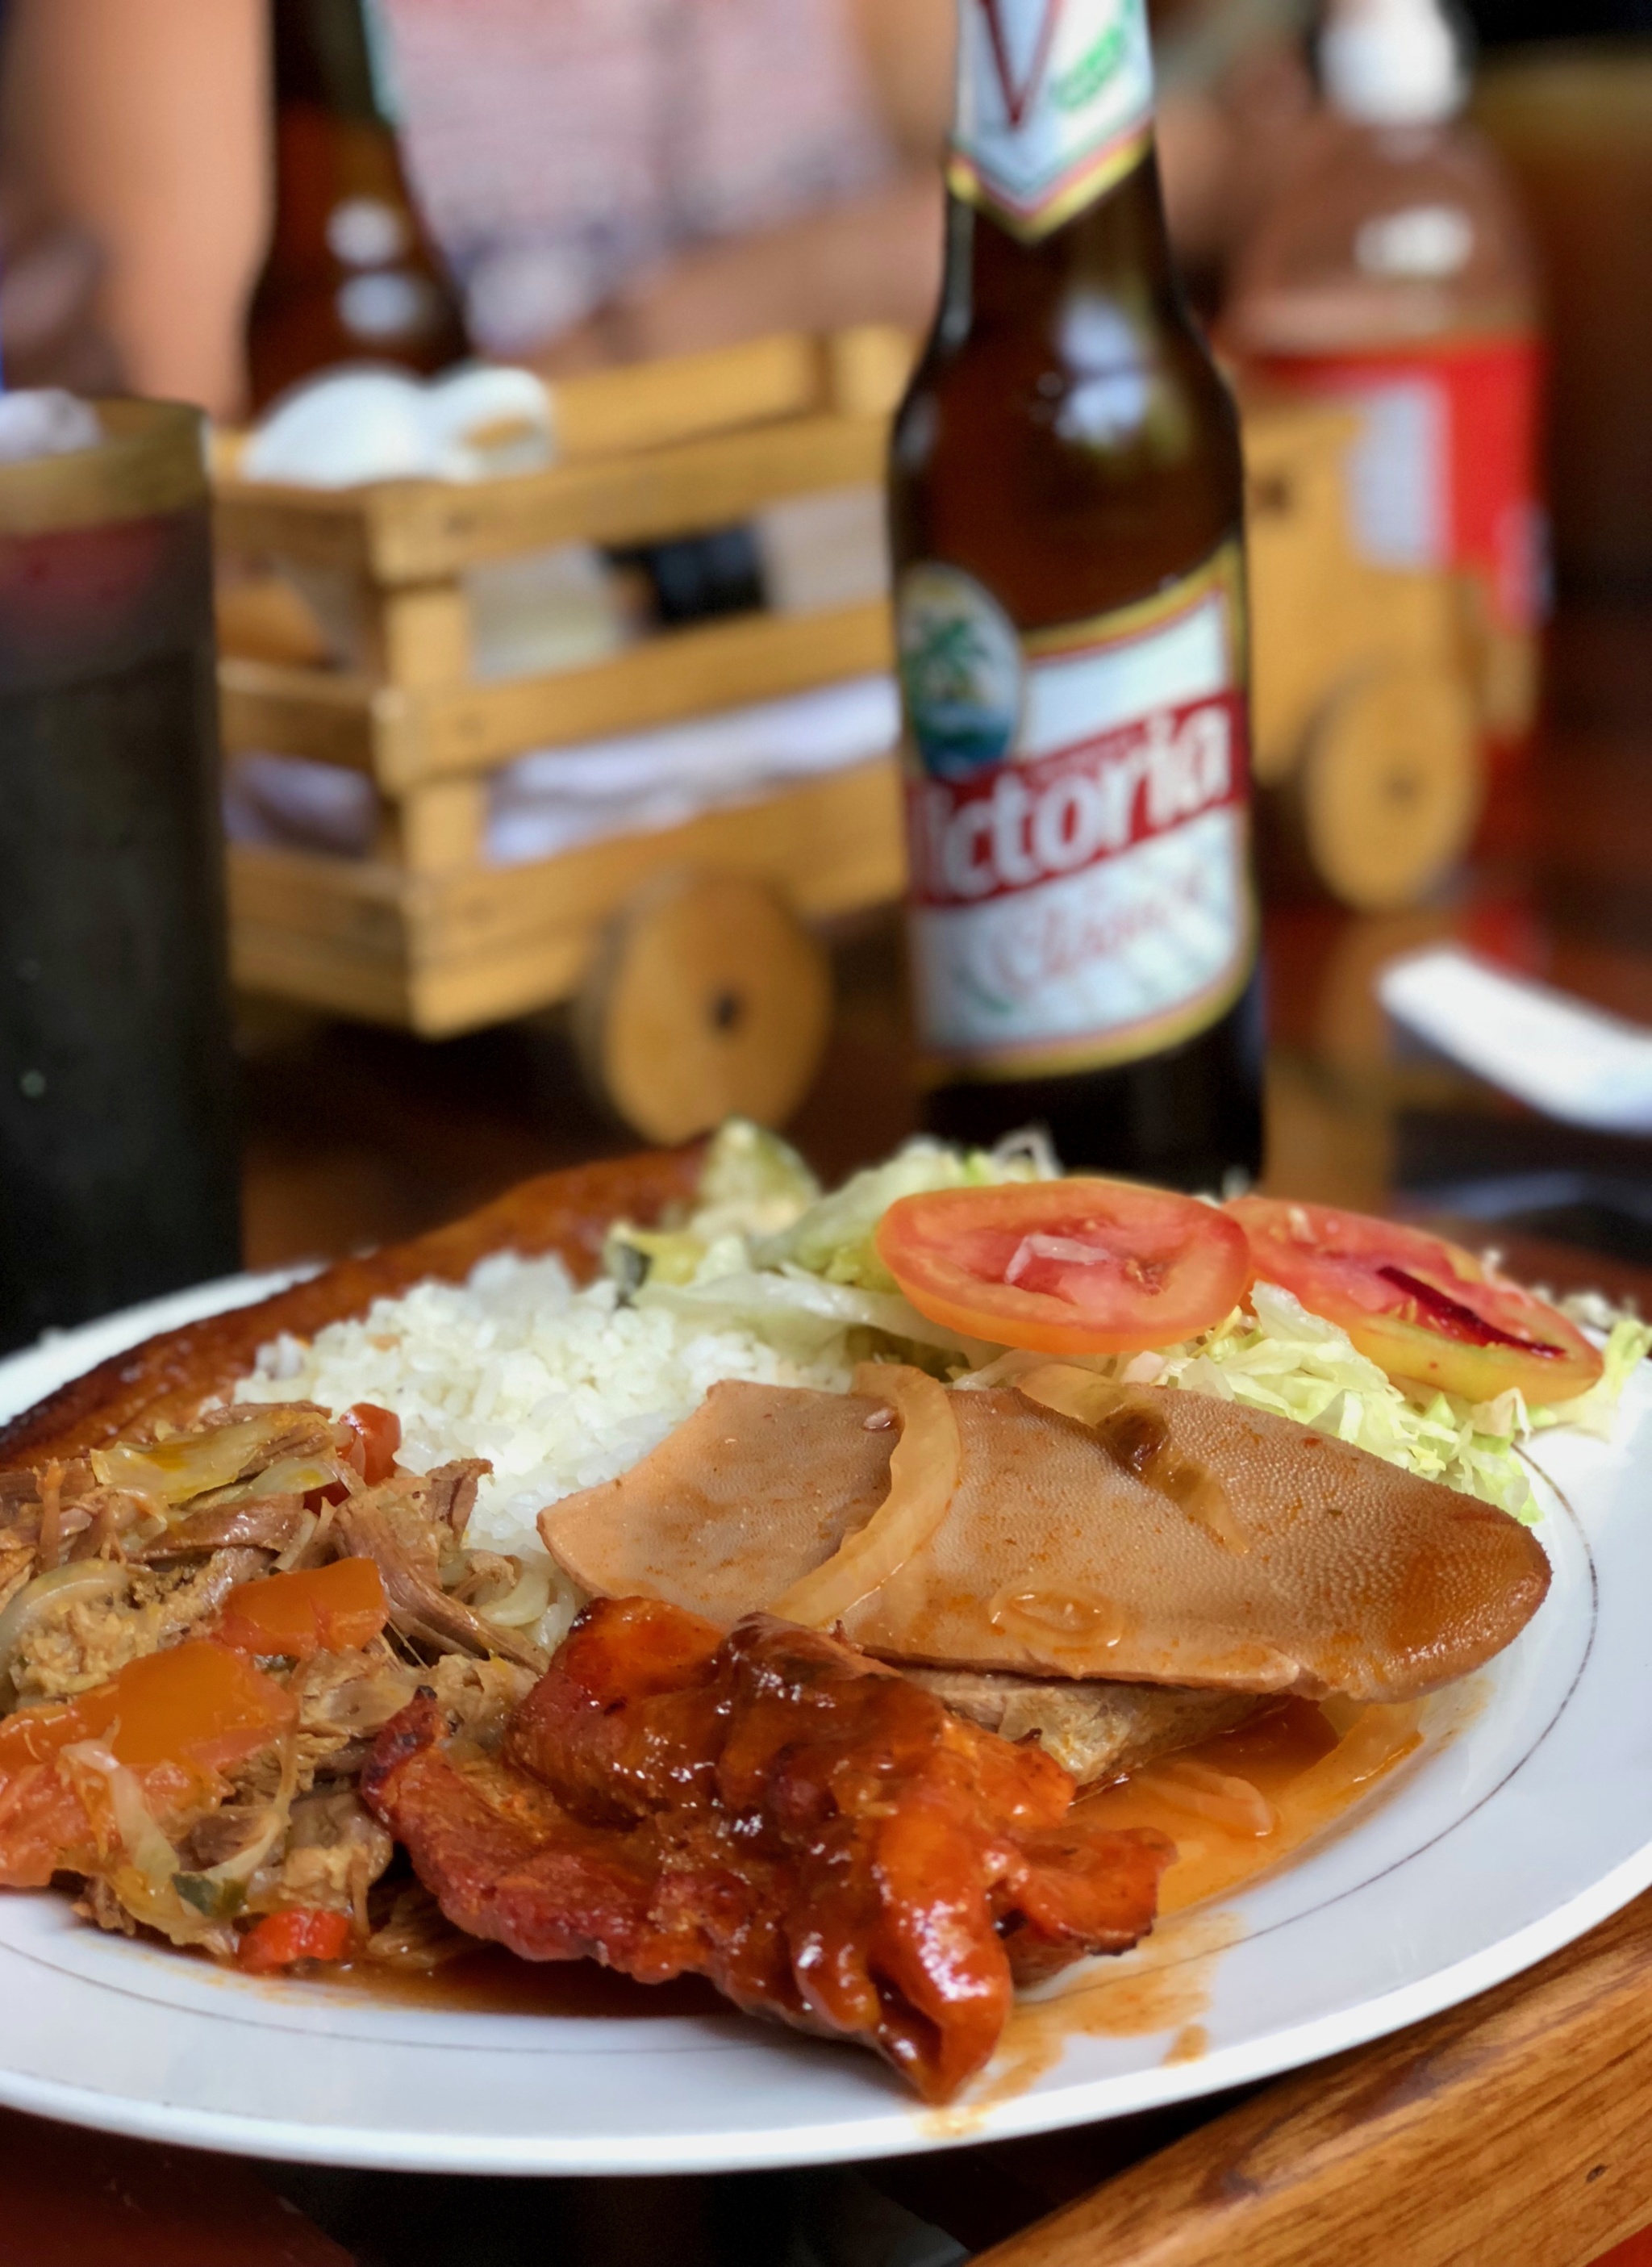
1507 2130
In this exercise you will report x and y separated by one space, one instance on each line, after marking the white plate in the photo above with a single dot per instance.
1525 1820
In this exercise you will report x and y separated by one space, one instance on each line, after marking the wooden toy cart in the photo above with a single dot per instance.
1366 726
703 988
700 986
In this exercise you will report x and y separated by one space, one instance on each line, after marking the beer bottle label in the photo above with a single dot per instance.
1078 824
1054 106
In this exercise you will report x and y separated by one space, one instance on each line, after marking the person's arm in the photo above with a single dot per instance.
875 259
908 49
146 123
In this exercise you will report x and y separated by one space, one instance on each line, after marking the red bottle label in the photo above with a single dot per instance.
1445 471
1078 818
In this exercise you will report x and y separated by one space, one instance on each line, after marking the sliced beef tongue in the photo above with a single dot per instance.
1178 1540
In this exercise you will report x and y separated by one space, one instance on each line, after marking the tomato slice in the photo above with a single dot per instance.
371 1436
377 1437
1426 1311
1074 1266
317 1610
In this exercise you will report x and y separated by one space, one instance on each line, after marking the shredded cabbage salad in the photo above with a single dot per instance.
765 1251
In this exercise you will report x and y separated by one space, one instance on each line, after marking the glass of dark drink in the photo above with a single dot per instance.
118 1158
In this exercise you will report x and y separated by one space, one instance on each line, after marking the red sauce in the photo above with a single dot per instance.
493 1981
1301 1767
1296 1771
1240 1802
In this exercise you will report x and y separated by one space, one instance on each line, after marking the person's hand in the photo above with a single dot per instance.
48 281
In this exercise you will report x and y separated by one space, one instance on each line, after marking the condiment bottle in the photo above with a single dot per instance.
1391 275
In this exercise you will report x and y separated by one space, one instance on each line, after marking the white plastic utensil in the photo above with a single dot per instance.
1562 1056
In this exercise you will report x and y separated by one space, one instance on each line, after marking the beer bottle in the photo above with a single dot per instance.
352 273
1067 518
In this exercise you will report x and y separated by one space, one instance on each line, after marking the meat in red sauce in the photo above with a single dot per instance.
816 1834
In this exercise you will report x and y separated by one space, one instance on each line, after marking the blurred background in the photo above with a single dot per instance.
557 786
550 348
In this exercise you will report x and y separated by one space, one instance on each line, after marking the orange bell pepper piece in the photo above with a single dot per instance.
175 1719
304 1933
319 1609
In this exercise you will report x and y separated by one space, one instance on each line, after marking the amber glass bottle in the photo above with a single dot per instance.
1067 513
352 273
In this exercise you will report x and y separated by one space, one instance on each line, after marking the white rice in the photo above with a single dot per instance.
559 1388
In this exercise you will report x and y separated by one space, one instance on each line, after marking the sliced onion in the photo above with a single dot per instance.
286 1559
82 1577
1234 1804
147 1847
923 1477
525 1604
238 1870
189 1464
1071 1391
292 1475
1006 1368
1071 1248
146 1885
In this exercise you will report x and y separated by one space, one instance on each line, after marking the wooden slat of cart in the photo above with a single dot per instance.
403 736
445 952
1511 2132
690 672
649 405
332 718
408 532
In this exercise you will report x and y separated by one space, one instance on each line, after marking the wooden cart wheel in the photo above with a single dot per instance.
1390 789
709 997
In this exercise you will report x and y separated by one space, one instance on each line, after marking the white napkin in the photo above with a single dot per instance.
557 798
45 421
1563 1057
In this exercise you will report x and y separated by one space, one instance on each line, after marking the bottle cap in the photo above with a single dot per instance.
1393 62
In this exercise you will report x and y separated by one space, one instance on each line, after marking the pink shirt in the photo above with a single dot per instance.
559 147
